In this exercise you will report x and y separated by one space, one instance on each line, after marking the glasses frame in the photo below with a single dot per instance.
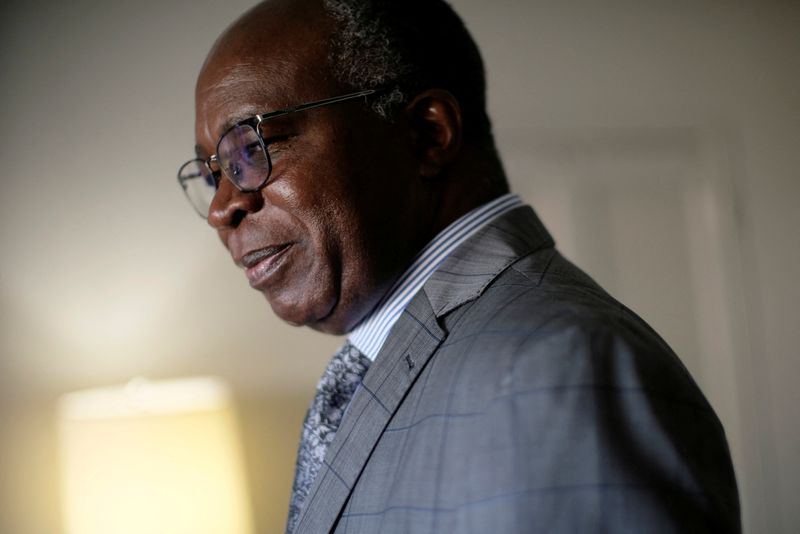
255 122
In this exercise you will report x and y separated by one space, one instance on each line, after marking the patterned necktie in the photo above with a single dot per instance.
334 391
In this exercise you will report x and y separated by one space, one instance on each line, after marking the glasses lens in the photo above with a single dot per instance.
243 158
198 184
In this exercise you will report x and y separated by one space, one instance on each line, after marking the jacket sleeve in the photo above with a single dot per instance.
611 434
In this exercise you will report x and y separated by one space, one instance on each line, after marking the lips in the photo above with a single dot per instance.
260 264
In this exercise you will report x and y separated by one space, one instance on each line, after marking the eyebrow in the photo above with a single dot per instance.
243 114
239 117
246 113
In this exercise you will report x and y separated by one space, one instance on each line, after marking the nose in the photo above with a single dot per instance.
230 206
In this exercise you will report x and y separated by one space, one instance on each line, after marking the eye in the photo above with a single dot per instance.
252 152
278 144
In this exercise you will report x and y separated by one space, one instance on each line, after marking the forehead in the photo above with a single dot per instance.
252 73
242 89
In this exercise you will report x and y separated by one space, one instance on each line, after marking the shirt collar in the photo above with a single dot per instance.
369 336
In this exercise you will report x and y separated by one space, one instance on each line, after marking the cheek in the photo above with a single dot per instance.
309 198
318 185
329 183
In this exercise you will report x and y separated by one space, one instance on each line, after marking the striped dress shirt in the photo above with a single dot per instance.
370 334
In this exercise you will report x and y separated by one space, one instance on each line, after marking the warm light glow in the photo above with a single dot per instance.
153 457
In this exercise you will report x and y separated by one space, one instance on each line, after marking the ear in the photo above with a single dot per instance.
435 118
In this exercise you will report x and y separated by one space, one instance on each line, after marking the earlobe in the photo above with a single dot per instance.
435 117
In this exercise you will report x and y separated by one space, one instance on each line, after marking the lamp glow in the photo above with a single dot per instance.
155 457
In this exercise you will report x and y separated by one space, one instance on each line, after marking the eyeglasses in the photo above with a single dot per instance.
241 155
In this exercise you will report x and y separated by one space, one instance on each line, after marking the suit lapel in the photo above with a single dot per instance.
462 277
415 336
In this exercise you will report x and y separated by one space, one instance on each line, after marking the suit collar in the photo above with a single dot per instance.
470 268
370 335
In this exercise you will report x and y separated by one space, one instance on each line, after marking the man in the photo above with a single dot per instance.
487 385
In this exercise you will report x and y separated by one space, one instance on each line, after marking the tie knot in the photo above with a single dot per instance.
343 374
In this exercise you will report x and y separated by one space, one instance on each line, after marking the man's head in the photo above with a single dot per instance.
409 46
356 188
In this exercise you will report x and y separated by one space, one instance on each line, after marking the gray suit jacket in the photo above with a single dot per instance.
515 395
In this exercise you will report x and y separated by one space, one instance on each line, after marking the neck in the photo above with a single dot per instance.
468 183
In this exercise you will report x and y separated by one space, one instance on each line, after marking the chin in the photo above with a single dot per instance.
330 328
334 322
316 313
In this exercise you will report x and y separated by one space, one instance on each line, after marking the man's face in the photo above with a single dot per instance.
337 222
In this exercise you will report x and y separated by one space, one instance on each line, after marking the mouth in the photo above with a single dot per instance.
260 264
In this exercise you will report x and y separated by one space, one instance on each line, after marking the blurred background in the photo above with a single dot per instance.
659 141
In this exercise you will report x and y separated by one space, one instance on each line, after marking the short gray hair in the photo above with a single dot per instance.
408 46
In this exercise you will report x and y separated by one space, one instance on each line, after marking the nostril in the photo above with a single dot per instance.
230 206
236 217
